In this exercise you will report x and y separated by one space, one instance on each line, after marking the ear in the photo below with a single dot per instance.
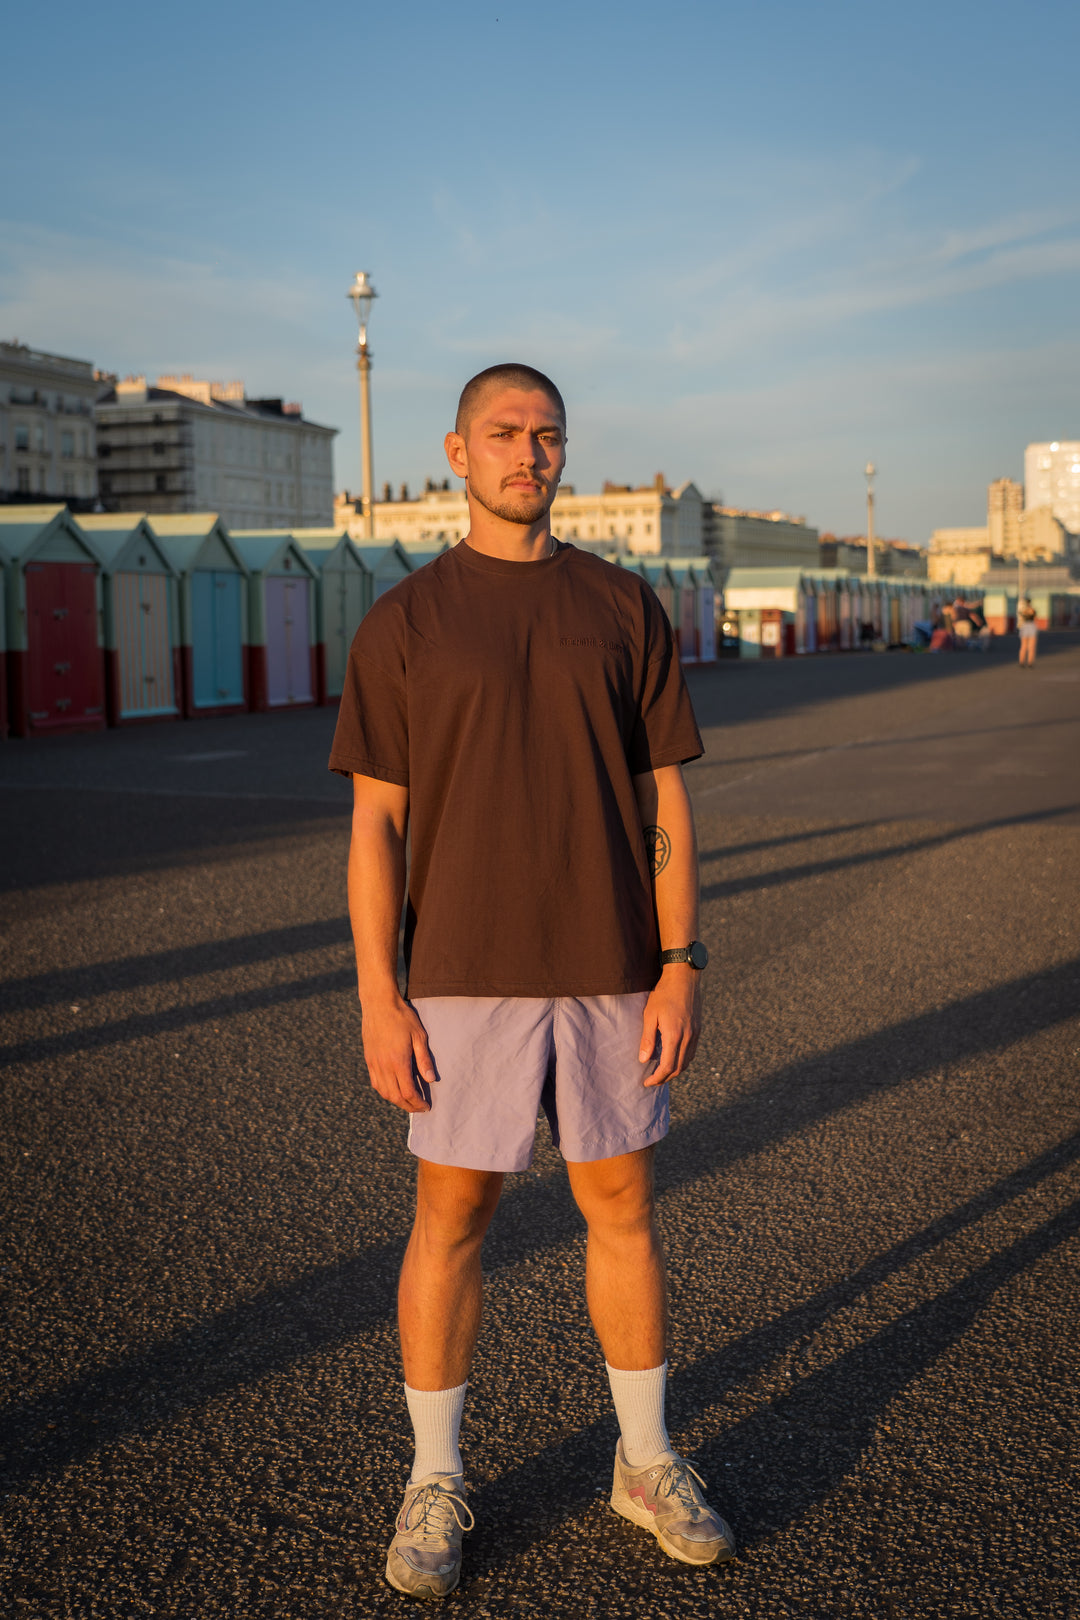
456 454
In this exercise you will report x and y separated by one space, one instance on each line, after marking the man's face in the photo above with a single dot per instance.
512 454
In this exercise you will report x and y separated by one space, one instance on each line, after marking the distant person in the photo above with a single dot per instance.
1027 622
517 709
982 631
962 626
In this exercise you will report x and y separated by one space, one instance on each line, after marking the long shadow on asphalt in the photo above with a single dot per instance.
867 857
902 740
274 1330
49 838
137 972
791 1453
170 967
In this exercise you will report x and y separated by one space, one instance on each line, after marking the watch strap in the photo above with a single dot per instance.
694 953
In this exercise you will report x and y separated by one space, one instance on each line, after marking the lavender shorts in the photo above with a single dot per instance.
500 1061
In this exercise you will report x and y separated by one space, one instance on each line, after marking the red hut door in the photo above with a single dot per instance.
64 661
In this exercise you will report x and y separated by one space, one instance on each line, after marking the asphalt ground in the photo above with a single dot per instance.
870 1194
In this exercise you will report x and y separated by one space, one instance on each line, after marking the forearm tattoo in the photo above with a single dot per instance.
658 849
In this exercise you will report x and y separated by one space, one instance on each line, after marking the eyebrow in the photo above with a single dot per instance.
516 427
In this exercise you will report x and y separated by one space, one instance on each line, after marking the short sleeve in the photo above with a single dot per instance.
372 734
665 731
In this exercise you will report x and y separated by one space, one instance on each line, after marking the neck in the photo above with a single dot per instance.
513 542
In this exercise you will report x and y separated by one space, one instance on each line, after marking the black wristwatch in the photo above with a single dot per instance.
694 953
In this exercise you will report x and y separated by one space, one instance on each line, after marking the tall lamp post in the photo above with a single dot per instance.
361 293
871 561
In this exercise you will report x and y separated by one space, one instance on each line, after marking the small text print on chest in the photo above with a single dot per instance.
592 641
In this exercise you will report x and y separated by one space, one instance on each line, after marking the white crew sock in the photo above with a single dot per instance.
436 1421
639 1407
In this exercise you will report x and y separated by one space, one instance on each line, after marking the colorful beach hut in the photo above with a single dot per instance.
386 560
684 573
56 667
421 552
4 563
213 611
281 620
141 619
345 592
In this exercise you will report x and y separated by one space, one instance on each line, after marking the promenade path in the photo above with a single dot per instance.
871 1192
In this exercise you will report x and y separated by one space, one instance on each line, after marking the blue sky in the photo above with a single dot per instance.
755 245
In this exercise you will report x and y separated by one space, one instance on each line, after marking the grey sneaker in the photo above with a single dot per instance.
425 1555
663 1499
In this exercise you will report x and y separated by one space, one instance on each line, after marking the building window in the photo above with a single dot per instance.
104 449
106 484
158 447
160 482
22 436
23 476
39 437
69 484
67 446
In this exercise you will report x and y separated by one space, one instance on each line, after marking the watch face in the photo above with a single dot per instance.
699 956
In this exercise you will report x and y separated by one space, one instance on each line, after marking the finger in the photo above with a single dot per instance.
649 1029
410 1091
665 1069
396 1084
672 1059
422 1057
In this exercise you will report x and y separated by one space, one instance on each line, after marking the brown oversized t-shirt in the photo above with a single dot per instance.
517 701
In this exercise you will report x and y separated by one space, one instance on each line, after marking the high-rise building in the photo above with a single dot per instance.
184 445
1052 478
47 449
1004 506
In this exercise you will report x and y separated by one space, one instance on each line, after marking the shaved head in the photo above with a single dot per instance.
510 375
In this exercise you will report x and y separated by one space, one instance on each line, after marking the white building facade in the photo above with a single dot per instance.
184 445
47 438
1052 478
650 519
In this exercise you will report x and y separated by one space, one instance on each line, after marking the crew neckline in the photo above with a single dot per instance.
503 565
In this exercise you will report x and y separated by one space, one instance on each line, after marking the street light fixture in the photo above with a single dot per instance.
361 294
871 562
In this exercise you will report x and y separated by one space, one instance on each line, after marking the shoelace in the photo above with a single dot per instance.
674 1479
437 1506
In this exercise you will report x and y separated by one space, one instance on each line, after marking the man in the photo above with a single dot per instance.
518 706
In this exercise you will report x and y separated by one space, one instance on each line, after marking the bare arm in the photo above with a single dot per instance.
673 1010
394 1038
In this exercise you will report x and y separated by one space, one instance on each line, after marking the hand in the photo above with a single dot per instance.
396 1050
673 1011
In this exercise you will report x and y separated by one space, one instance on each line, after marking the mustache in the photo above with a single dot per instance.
512 478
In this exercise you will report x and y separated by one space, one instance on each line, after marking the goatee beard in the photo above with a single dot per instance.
519 508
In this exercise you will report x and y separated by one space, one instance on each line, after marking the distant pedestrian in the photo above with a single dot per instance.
1027 623
962 624
980 627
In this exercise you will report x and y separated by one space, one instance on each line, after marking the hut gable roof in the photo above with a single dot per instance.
196 540
271 552
127 543
46 534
